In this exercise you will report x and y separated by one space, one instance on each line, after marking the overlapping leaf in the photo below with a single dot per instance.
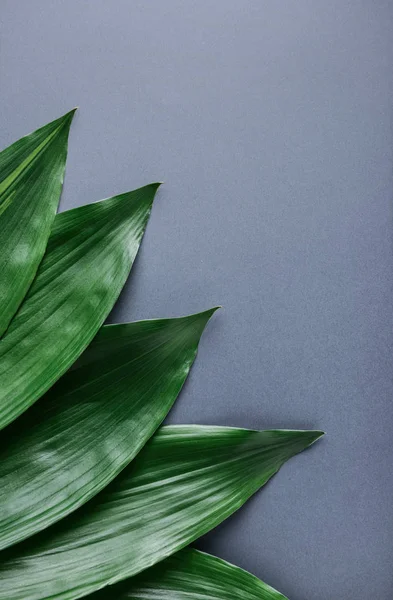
85 431
31 178
191 575
75 440
184 482
88 258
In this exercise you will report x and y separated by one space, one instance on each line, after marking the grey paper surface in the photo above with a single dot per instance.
271 124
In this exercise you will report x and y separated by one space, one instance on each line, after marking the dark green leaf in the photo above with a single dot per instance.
185 481
88 258
31 178
93 422
191 575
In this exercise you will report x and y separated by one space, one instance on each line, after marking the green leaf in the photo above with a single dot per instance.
31 178
88 258
185 481
93 422
191 575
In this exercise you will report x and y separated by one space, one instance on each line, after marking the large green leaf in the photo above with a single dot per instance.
31 178
191 575
88 258
185 481
92 423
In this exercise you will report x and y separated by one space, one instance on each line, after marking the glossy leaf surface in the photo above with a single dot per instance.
191 575
93 422
185 481
88 258
31 179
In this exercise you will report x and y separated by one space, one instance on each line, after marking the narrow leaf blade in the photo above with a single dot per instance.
89 255
31 179
93 422
185 481
190 574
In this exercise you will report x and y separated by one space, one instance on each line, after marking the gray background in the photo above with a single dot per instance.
270 122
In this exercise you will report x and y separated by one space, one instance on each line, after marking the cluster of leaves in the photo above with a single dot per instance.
93 500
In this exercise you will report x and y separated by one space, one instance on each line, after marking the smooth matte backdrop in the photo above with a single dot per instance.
270 122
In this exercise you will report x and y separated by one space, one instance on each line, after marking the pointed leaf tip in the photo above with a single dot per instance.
155 185
145 193
71 113
299 440
198 321
207 314
312 436
66 119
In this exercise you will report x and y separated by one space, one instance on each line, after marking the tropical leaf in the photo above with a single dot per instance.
191 575
76 518
88 258
184 482
92 423
31 178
